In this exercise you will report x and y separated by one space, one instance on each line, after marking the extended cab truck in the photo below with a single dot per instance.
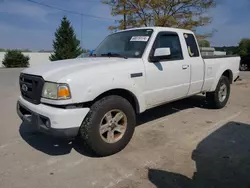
97 98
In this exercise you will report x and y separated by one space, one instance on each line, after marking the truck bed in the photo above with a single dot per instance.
218 56
215 67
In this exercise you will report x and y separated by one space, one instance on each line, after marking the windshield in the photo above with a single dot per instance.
124 44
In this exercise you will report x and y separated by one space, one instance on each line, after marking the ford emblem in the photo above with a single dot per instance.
24 88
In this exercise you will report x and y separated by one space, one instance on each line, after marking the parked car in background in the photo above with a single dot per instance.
245 63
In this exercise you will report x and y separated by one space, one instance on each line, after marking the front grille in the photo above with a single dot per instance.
31 87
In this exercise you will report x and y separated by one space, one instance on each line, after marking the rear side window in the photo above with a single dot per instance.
191 45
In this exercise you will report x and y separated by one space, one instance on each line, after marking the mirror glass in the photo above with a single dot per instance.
159 52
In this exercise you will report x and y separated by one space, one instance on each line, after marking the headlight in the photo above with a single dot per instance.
56 91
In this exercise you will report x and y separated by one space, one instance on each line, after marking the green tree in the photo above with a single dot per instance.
204 43
15 58
2 50
244 47
187 14
66 45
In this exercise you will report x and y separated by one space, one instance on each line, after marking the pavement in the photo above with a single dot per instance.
182 144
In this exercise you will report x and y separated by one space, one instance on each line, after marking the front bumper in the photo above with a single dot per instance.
51 120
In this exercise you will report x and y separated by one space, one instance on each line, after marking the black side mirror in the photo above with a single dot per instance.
154 59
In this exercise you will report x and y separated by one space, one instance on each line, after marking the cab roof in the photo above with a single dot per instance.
158 29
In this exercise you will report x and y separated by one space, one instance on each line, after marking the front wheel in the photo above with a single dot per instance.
109 126
218 99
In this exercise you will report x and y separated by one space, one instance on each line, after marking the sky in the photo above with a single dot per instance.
26 25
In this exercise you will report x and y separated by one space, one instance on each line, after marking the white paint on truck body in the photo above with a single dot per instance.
215 67
158 83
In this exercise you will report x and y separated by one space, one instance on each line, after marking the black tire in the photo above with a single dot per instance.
213 97
89 130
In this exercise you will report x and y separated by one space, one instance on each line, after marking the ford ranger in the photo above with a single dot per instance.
97 98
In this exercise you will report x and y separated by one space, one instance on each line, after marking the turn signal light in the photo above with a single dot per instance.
63 92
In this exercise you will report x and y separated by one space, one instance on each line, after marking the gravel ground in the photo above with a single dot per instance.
182 144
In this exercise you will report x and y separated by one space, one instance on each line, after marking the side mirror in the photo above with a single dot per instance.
160 53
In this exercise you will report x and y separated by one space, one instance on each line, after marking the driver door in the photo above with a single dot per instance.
169 78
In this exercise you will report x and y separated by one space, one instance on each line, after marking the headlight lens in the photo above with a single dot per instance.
56 91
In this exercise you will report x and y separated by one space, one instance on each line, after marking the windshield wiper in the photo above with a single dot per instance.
109 54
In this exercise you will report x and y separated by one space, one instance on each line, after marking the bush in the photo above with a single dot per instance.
15 58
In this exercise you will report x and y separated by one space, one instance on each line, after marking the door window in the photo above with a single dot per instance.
170 41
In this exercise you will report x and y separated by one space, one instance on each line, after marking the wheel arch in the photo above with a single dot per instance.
227 73
131 97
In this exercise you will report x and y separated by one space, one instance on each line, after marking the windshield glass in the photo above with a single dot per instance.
124 44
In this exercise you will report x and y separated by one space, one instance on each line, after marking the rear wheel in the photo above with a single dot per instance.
109 126
219 98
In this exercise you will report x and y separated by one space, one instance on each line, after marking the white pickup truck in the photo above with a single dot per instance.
97 98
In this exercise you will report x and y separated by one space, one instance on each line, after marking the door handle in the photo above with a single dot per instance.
185 66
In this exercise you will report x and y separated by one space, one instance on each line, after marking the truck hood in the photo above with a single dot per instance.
54 71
